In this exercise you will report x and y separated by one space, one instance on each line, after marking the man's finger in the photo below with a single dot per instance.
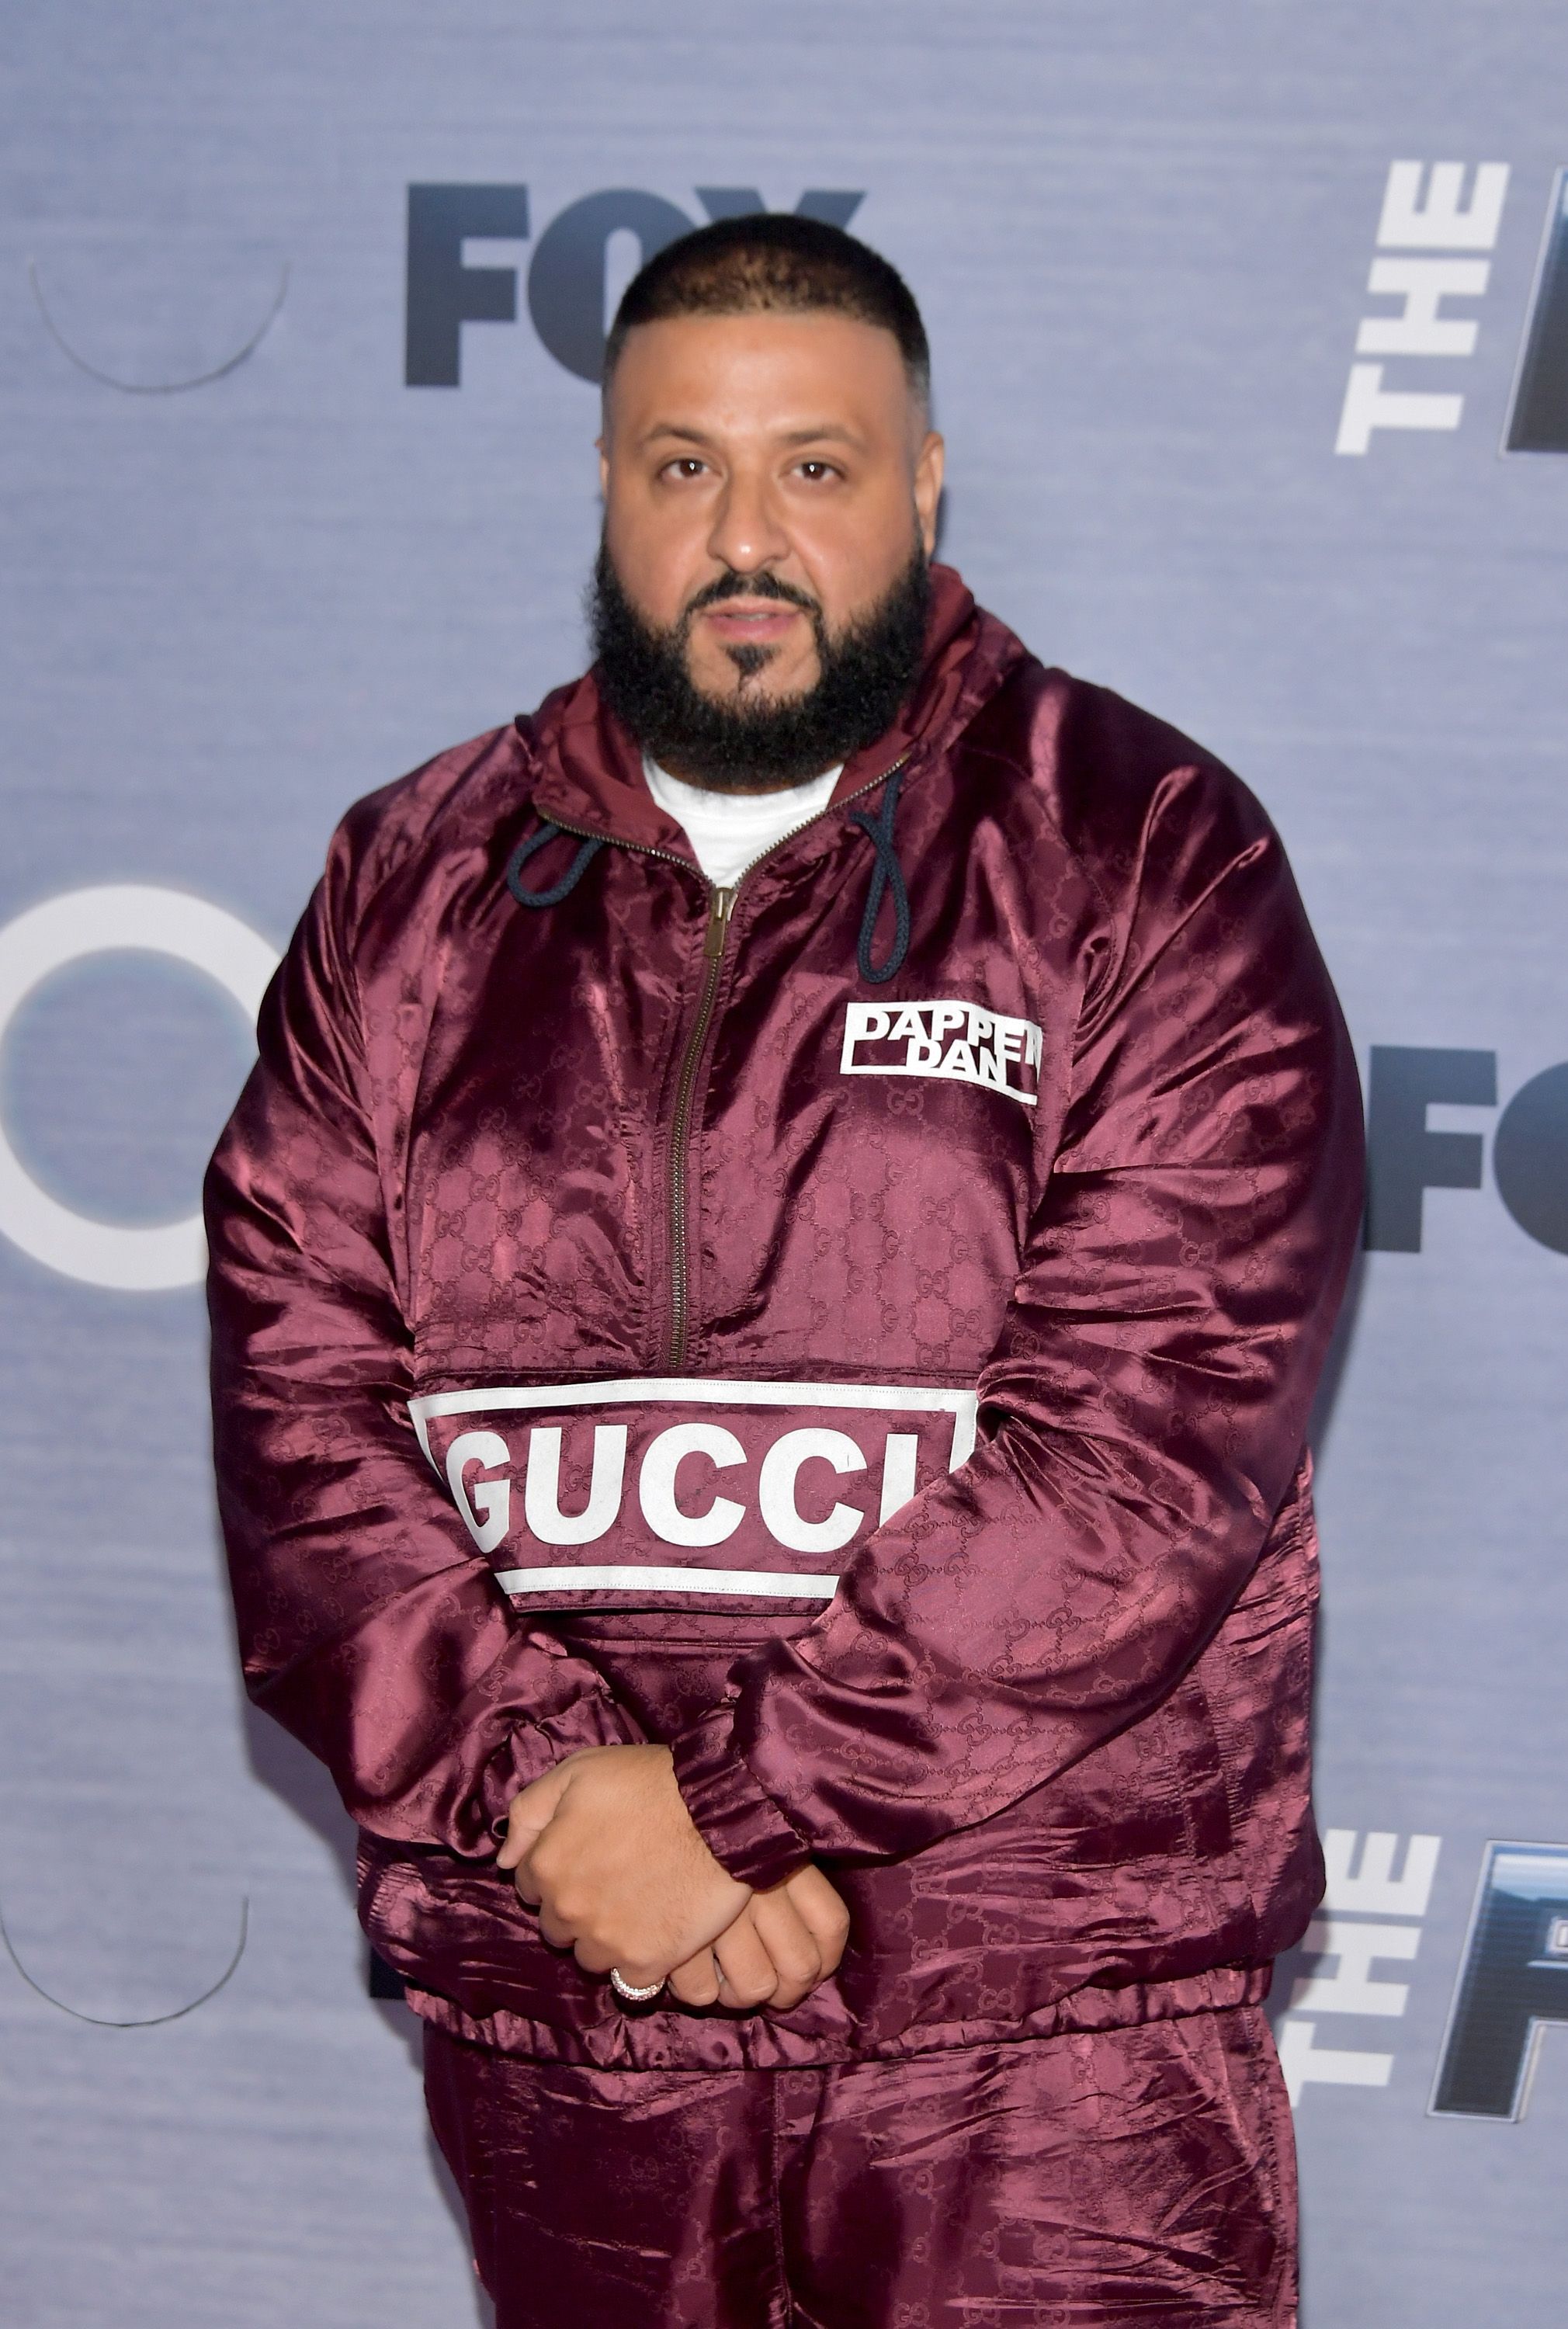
695 1983
527 1885
790 1943
521 1838
748 1975
531 1812
822 1912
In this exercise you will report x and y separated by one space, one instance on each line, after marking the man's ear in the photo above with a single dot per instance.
930 466
601 446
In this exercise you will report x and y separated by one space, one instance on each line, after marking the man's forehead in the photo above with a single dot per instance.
793 374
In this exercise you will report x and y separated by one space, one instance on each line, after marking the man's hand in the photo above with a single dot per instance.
783 1943
604 1846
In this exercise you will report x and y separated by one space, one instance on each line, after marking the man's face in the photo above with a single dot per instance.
785 452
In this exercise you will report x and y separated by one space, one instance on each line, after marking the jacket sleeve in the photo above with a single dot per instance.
1143 1412
368 1626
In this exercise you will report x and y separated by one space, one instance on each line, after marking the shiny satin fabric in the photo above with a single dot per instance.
1147 2176
1046 1723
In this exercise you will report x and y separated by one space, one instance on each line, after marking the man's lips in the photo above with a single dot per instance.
752 624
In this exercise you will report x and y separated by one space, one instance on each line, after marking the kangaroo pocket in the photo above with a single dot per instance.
660 1493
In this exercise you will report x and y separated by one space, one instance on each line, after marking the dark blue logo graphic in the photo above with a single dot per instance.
1539 420
1513 1981
567 274
1405 1157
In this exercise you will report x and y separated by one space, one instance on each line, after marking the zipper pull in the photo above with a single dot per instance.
719 912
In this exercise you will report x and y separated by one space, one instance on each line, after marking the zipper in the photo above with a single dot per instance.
720 905
715 936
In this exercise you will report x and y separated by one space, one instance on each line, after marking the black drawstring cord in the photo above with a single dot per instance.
885 874
569 879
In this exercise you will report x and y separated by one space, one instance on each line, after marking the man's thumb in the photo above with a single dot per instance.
530 1814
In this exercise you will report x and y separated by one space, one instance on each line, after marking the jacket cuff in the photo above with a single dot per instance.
742 1826
531 1748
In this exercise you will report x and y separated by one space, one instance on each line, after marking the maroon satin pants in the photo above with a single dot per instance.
1142 2176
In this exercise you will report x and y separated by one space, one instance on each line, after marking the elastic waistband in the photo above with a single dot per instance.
678 2041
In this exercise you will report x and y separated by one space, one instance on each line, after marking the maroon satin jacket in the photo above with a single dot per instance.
860 1328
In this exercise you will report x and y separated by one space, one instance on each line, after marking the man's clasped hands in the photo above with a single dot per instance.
603 1847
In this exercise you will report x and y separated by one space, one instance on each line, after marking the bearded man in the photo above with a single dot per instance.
768 1286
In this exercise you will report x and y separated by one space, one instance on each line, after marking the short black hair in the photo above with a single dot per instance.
777 261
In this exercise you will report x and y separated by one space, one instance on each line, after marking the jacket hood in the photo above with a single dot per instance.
591 767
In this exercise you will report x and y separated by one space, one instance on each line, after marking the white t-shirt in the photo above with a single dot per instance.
729 831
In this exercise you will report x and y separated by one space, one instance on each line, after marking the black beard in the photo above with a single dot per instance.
865 673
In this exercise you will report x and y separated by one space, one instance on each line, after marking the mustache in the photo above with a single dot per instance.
731 585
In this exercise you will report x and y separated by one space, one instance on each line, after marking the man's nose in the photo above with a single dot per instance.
746 534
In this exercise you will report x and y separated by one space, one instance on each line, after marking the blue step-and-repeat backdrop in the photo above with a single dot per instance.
1251 321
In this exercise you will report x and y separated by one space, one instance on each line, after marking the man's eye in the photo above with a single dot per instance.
687 467
816 470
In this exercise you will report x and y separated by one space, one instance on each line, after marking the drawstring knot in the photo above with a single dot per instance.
569 879
887 874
